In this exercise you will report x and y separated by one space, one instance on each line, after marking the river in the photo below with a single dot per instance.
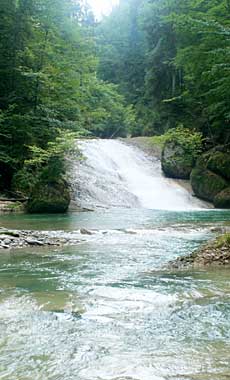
109 309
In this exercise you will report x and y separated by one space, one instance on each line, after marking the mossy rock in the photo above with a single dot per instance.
222 199
202 161
175 161
206 184
49 198
219 163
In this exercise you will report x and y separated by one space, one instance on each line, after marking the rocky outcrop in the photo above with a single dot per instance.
210 179
176 161
219 163
8 207
216 252
222 199
206 184
49 198
12 239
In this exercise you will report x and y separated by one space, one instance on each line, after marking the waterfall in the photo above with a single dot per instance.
114 174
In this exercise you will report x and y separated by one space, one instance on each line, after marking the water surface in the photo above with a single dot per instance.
106 309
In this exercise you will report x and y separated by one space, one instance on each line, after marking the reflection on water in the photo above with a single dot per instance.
113 219
105 310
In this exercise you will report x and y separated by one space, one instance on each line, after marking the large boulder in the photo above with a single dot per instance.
210 177
219 163
206 184
49 198
175 161
222 199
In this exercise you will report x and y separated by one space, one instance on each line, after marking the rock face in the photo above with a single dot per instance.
206 184
219 163
210 179
222 199
216 252
176 162
8 207
49 198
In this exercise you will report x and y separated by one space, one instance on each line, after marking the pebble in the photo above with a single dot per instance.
19 239
7 241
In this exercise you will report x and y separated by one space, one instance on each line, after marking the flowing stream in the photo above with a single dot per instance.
109 309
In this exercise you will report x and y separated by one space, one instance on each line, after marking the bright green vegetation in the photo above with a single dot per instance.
49 90
223 240
149 67
170 58
180 151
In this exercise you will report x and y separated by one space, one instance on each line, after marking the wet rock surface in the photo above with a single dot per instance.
215 252
10 207
11 239
210 177
49 198
176 163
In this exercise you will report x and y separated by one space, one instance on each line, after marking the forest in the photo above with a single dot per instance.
149 67
114 190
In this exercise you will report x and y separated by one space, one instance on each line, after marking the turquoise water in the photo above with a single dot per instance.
107 309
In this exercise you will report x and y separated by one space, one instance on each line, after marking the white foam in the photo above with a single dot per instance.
118 175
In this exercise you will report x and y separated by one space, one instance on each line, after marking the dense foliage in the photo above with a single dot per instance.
171 59
48 85
148 67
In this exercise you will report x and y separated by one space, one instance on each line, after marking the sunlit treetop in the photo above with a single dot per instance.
102 7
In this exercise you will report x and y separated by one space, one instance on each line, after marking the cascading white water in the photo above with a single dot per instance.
114 174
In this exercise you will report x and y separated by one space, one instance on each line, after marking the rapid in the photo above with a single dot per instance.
118 175
110 308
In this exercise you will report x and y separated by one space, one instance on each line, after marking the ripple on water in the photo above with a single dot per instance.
105 310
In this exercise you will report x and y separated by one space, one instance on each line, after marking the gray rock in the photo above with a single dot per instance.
175 161
7 241
31 241
84 231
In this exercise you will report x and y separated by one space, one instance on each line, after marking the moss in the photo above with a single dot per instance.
49 198
158 140
206 184
222 241
222 199
176 162
219 163
202 161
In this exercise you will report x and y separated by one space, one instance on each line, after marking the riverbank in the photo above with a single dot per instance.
9 206
215 252
14 239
